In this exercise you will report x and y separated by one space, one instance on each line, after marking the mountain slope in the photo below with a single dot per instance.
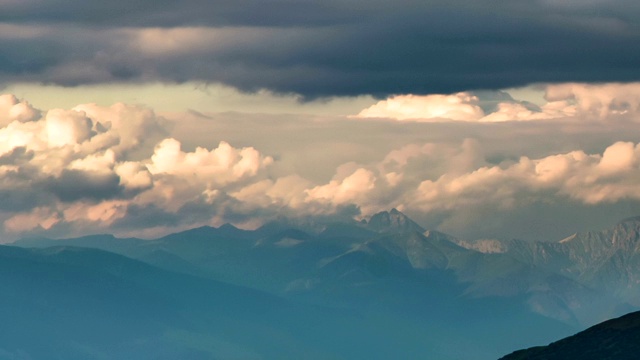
617 339
392 221
77 303
72 303
389 267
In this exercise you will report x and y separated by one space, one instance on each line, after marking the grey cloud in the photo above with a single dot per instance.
15 200
20 189
17 156
188 12
73 185
327 48
541 221
147 216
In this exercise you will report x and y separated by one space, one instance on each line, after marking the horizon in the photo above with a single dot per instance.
303 224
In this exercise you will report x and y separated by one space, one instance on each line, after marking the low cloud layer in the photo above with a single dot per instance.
321 49
128 170
90 164
571 100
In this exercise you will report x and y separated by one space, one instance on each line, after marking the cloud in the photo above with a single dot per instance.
127 170
67 128
349 189
134 176
288 192
460 106
91 164
168 14
598 100
123 128
588 178
41 217
609 101
320 49
464 106
512 111
453 180
218 167
73 185
183 177
12 109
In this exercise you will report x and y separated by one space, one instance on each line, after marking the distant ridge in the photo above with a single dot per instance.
391 260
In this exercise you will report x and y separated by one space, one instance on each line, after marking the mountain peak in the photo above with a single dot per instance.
393 221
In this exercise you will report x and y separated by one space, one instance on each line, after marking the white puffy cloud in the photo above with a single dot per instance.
120 168
588 178
352 188
91 164
67 127
16 135
134 175
461 106
218 167
619 158
285 192
568 100
598 100
123 127
12 109
440 179
96 163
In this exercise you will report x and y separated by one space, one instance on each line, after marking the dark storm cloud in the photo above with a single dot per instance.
73 185
187 12
19 155
146 216
323 48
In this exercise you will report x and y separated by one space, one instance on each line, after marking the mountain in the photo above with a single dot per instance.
387 268
617 339
392 221
78 303
71 303
75 303
608 259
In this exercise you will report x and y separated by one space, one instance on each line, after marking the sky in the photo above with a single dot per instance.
483 119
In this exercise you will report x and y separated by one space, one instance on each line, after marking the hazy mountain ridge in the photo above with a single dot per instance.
559 277
68 303
388 263
78 303
607 260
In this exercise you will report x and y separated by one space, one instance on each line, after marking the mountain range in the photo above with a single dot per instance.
425 292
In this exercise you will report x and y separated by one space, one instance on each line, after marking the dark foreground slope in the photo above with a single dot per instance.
617 339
